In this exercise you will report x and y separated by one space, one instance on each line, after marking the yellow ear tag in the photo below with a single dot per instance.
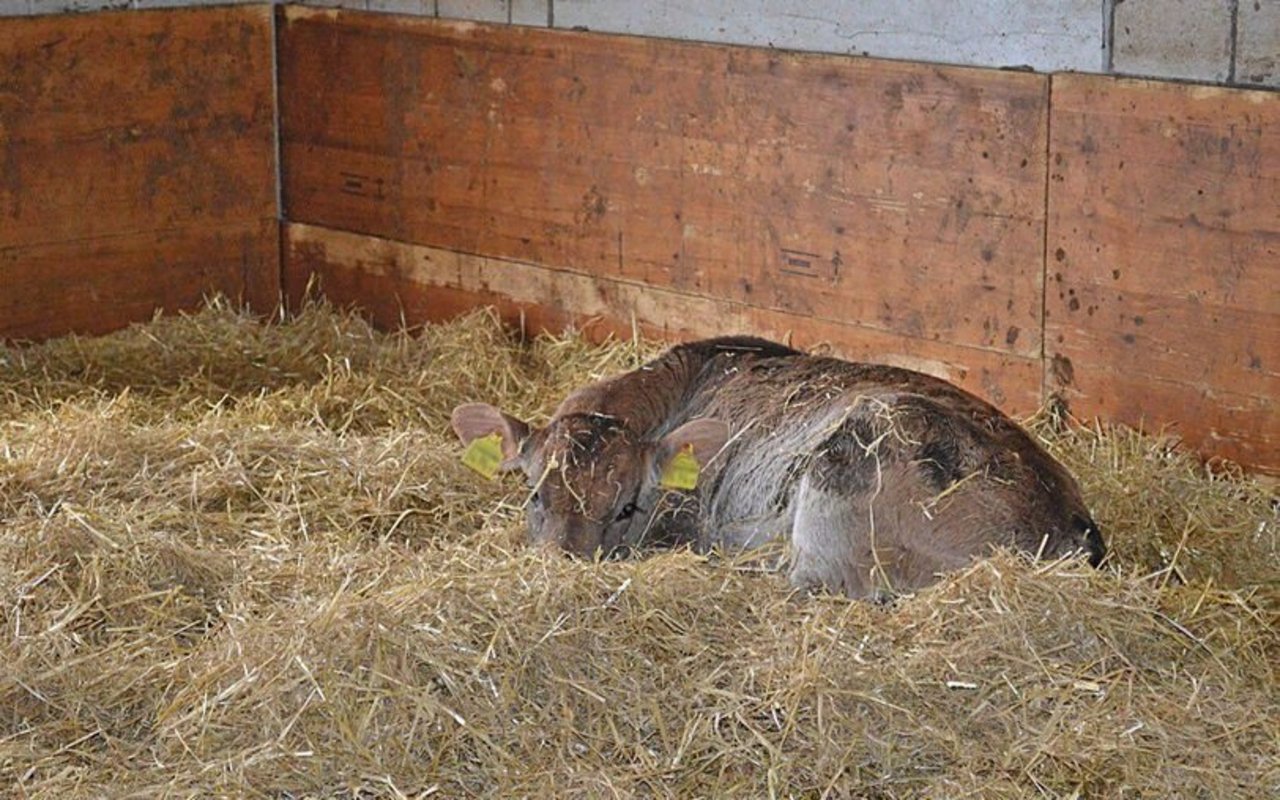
681 472
484 455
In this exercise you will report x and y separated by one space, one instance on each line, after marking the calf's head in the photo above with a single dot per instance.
595 484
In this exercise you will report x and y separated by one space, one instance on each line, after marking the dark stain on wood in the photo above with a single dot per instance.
137 166
1196 271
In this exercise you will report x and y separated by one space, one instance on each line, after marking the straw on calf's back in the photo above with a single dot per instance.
881 477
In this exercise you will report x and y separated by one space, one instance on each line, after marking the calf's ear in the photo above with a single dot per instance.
474 420
704 437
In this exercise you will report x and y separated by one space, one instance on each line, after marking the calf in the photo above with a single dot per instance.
880 477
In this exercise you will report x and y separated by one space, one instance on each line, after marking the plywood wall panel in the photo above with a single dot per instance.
1164 260
92 286
901 198
397 281
126 138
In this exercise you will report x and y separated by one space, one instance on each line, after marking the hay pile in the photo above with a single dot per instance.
244 559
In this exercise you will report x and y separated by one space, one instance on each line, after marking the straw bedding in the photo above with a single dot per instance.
243 559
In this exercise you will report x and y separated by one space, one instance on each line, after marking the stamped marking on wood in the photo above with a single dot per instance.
362 185
796 262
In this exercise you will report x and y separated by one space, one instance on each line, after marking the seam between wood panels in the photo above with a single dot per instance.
276 141
1043 287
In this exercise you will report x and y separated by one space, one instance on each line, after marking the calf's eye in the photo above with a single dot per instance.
628 511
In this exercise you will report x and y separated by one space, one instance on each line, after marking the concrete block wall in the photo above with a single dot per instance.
1257 54
1215 41
1175 38
1043 34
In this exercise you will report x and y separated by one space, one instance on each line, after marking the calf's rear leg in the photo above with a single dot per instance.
860 527
854 544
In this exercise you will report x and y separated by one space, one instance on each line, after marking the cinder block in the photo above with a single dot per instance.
1258 43
14 8
1044 34
480 10
358 4
180 3
416 8
1173 38
62 6
530 12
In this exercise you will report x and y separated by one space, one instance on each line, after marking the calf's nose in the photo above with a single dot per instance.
1094 546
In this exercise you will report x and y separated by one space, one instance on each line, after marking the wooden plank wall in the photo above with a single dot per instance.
743 188
1115 242
137 166
1111 241
1164 259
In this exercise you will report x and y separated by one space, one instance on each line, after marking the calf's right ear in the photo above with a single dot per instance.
699 441
474 420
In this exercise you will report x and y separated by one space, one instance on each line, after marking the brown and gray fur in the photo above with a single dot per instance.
881 477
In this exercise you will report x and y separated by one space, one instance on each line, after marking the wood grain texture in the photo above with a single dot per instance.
903 199
96 285
125 137
1164 260
398 282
